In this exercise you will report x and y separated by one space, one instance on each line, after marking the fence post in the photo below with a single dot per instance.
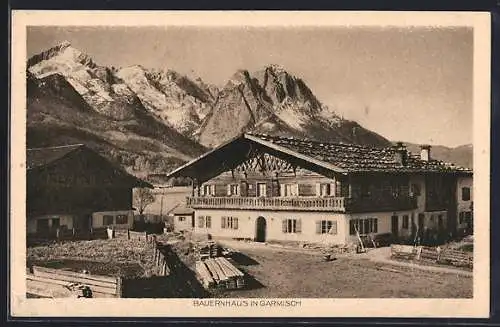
119 286
128 233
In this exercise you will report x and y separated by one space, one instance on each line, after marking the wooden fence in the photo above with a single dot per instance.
432 254
160 260
100 286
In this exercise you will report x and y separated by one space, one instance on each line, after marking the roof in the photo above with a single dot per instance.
39 158
319 156
359 158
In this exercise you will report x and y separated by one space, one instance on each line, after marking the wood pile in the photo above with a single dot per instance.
456 258
403 251
220 273
208 250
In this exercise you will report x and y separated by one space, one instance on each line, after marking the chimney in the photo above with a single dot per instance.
400 154
425 152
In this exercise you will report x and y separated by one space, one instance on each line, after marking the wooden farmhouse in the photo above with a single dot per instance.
74 187
264 187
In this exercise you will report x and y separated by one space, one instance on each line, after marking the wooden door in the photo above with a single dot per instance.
260 235
395 226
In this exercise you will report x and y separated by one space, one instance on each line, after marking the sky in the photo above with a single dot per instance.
411 84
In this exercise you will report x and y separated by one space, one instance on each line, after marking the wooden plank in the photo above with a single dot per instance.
219 270
71 279
227 271
64 284
230 266
212 271
100 278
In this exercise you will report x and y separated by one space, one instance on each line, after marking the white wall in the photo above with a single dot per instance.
183 222
384 222
247 225
97 218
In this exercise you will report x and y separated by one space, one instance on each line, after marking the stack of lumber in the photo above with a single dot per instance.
456 258
403 251
208 250
219 272
429 254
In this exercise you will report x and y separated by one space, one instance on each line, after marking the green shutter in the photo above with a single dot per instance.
298 226
318 226
333 229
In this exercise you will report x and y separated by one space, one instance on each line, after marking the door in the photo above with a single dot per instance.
42 226
260 235
395 226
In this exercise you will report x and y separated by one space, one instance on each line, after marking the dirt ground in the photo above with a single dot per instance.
281 273
116 257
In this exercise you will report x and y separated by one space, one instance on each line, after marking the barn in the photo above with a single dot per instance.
73 187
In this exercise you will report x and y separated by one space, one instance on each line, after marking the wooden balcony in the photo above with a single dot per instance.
333 204
269 203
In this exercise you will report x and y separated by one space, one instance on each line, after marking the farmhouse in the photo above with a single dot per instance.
74 187
277 188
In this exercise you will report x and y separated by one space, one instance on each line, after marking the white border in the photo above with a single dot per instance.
476 307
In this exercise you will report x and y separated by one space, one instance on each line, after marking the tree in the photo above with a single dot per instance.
142 198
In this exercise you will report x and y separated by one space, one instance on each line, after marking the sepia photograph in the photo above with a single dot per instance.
251 164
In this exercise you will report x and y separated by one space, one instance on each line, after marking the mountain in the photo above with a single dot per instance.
152 120
460 155
70 99
276 102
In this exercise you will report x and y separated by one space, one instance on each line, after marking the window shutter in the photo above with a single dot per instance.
223 222
282 189
284 225
318 226
333 229
208 222
295 188
318 189
298 226
202 189
201 221
332 189
228 189
243 188
235 223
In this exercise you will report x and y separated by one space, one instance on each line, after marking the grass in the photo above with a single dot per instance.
277 273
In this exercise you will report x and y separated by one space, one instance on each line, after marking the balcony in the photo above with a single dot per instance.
268 203
333 204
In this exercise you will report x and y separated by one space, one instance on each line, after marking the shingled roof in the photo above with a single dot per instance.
358 158
39 157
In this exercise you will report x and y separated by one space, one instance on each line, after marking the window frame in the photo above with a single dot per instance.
466 193
406 222
104 217
121 216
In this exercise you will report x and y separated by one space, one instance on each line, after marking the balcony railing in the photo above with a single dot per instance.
269 203
335 204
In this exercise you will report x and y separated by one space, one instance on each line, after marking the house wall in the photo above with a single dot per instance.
384 221
419 181
98 218
247 225
183 222
463 205
64 220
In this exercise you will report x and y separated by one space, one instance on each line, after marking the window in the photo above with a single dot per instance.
55 222
364 226
209 189
421 219
467 217
201 221
465 193
406 222
326 227
261 189
182 218
107 220
229 223
291 226
233 189
121 219
289 190
324 190
415 189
